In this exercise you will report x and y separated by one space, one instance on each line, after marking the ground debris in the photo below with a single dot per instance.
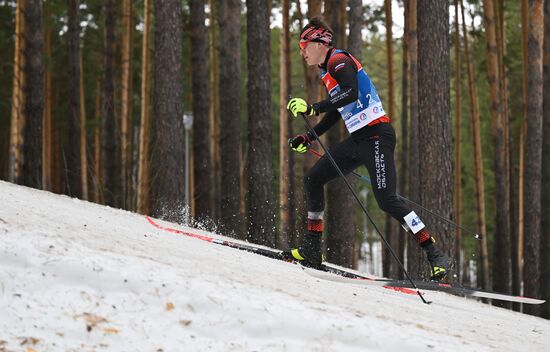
185 322
91 320
29 341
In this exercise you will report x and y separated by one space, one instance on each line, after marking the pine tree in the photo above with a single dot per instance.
168 159
201 96
502 229
533 154
108 135
261 207
434 106
476 137
72 148
34 95
144 128
17 99
545 204
414 257
126 91
229 19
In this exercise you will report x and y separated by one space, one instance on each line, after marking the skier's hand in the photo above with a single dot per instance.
299 105
300 143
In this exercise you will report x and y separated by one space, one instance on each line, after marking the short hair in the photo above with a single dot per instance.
320 23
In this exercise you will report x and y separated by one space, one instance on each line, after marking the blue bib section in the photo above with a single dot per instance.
368 106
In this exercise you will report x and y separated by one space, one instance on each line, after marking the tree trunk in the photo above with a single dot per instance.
56 139
514 210
502 229
72 148
260 170
34 95
533 154
97 184
521 205
56 142
504 274
436 185
229 19
476 137
83 143
47 128
343 38
355 17
144 135
168 157
286 156
414 256
545 202
457 141
201 96
516 173
502 271
214 118
126 105
17 101
108 140
545 172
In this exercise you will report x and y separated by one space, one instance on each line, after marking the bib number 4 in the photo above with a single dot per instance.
414 222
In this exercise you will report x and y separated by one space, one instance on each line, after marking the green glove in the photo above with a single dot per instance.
299 105
300 143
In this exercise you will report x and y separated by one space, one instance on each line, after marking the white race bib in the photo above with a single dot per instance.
414 222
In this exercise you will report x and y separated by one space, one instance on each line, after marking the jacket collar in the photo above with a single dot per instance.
324 65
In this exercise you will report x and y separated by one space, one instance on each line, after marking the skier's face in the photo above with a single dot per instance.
312 52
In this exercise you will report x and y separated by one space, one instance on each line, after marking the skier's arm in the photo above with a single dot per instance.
326 122
342 68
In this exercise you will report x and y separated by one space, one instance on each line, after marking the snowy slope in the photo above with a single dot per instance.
76 276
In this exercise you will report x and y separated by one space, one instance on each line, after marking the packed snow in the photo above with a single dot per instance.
77 276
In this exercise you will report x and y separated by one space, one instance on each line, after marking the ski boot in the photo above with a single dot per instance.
308 253
441 264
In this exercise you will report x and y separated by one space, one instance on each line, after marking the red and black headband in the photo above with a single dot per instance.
312 33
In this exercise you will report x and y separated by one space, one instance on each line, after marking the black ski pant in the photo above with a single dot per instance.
372 146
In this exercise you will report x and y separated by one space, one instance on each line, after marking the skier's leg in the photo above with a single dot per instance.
347 158
381 166
322 172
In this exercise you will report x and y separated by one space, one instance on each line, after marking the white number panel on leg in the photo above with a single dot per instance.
414 222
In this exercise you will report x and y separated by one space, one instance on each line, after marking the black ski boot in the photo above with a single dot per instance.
309 252
441 264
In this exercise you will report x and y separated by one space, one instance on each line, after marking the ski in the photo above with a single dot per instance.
252 248
247 247
332 272
263 251
450 288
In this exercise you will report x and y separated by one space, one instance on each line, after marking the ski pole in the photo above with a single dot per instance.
310 128
477 236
